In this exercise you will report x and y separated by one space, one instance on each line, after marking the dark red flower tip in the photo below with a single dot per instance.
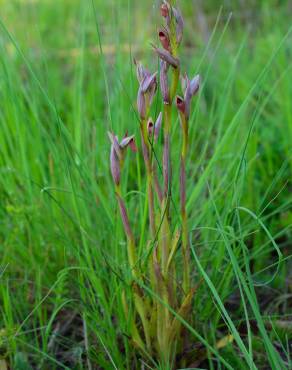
181 105
164 39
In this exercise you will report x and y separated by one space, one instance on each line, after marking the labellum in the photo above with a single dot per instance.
164 39
180 103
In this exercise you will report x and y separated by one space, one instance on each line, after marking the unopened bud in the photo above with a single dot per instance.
192 87
148 82
115 144
157 126
179 25
141 71
195 84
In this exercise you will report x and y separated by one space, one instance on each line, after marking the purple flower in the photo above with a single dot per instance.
154 128
181 105
148 81
179 24
191 88
117 154
166 56
141 71
147 89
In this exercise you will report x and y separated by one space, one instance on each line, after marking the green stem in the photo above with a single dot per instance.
147 154
185 240
131 248
138 296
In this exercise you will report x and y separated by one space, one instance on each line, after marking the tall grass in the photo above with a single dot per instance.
63 248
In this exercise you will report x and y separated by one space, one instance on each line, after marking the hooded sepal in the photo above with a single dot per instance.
167 57
117 154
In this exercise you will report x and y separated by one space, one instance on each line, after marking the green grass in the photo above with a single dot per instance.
63 250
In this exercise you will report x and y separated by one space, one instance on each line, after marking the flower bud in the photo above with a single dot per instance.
191 89
148 81
157 126
195 85
179 25
141 71
115 143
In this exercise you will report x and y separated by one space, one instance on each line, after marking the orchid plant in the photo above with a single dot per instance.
154 330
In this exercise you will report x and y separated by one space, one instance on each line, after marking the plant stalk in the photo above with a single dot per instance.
147 154
185 239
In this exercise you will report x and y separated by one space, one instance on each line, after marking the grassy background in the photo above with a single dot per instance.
63 261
